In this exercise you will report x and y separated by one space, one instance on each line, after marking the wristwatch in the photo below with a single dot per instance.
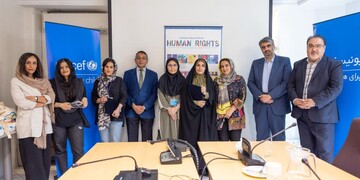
36 99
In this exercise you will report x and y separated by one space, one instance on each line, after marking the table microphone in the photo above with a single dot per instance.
247 157
306 162
292 125
106 159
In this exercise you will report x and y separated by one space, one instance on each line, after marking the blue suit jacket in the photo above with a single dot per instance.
325 85
145 96
278 79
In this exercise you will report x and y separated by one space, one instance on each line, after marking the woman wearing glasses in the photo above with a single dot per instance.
170 86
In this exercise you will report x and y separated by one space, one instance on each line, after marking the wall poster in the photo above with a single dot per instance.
188 43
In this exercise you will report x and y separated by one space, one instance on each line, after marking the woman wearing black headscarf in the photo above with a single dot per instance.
170 86
197 111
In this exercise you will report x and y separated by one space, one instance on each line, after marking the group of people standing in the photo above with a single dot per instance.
312 87
195 108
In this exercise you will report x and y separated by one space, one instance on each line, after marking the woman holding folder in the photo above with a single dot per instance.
109 94
197 111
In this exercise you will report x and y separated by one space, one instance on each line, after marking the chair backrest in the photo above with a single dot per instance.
348 158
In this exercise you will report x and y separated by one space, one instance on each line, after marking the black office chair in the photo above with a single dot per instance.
348 158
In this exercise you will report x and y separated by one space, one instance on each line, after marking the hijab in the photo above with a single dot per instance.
171 84
103 90
224 80
228 78
201 79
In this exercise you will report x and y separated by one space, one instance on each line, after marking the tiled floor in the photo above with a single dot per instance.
19 174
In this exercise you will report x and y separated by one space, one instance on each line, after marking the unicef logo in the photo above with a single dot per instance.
91 65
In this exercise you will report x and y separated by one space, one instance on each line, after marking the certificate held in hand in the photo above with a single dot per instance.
195 92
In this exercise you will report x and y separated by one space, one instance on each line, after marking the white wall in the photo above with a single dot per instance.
352 7
139 25
19 33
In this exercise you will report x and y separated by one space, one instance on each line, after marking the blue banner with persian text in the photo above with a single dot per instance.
82 47
342 39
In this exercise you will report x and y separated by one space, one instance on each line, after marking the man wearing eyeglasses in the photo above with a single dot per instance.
141 84
314 84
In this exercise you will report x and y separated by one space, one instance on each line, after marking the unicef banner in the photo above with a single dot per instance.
82 47
343 44
188 43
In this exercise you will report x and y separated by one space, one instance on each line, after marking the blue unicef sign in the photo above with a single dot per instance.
342 43
82 47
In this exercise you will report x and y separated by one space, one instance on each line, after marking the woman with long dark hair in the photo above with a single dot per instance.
69 117
109 94
170 87
34 97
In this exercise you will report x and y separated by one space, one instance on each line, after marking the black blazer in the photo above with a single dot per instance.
324 87
117 91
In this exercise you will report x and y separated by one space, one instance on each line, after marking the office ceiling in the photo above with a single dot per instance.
67 5
101 5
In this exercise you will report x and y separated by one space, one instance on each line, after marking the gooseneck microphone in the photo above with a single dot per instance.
106 159
306 162
246 155
292 125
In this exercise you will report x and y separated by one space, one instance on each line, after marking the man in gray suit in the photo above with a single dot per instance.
314 85
267 82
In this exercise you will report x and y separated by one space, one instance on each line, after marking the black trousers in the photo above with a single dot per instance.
225 135
132 125
75 134
36 162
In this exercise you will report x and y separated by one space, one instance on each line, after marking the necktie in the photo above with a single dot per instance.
141 78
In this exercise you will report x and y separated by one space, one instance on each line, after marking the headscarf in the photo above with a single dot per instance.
171 84
103 90
224 80
201 79
44 86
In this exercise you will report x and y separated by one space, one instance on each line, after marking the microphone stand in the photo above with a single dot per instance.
306 162
292 125
106 159
177 142
247 157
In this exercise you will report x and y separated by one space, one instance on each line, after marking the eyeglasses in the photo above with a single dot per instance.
316 46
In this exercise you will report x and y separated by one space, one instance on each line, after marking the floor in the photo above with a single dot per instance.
19 174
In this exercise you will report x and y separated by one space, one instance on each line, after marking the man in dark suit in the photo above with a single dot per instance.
314 85
141 84
267 83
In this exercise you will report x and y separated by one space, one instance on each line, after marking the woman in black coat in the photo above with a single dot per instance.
109 94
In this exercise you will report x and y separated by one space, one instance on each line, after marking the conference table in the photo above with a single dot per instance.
228 169
146 155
